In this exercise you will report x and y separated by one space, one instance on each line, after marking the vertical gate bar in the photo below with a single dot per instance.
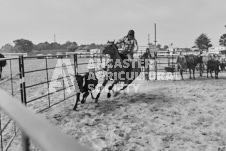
94 62
75 64
47 75
11 77
23 78
1 130
76 61
21 86
25 142
156 66
62 65
101 62
168 58
148 71
172 60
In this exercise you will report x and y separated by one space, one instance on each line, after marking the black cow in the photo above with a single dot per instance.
213 65
86 84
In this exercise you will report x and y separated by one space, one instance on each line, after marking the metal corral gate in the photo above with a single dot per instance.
22 89
13 114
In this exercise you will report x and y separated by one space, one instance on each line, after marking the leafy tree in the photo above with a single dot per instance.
222 40
159 46
72 47
203 42
165 47
23 45
8 48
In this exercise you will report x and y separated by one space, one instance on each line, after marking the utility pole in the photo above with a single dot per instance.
155 35
148 39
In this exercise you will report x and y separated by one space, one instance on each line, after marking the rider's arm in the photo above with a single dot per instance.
136 46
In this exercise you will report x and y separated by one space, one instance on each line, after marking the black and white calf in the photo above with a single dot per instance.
86 84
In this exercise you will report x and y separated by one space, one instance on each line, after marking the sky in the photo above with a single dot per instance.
96 21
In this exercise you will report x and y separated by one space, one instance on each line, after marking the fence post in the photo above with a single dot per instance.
21 77
11 76
148 70
47 78
25 142
75 64
168 57
25 139
62 66
155 53
1 144
172 60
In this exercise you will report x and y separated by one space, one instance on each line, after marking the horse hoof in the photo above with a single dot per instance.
108 95
74 109
83 101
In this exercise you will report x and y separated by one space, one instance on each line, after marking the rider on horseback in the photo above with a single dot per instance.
129 44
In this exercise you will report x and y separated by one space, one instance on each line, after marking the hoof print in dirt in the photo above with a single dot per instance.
116 94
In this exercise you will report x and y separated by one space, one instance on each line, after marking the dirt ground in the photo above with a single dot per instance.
161 115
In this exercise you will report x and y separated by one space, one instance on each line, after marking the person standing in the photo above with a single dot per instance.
146 56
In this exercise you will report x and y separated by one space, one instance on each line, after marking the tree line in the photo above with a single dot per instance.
203 42
23 45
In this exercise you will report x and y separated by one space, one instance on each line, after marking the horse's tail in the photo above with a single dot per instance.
2 62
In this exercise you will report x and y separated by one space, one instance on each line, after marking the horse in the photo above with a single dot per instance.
119 68
190 62
212 63
2 64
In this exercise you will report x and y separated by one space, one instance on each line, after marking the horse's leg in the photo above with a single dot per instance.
91 94
85 95
211 73
101 88
77 100
193 73
110 88
181 74
190 72
127 82
207 71
215 71
200 69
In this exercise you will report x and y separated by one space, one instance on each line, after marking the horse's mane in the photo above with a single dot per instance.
120 54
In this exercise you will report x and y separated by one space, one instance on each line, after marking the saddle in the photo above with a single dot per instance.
123 56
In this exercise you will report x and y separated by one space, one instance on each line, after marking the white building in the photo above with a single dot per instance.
93 51
217 50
